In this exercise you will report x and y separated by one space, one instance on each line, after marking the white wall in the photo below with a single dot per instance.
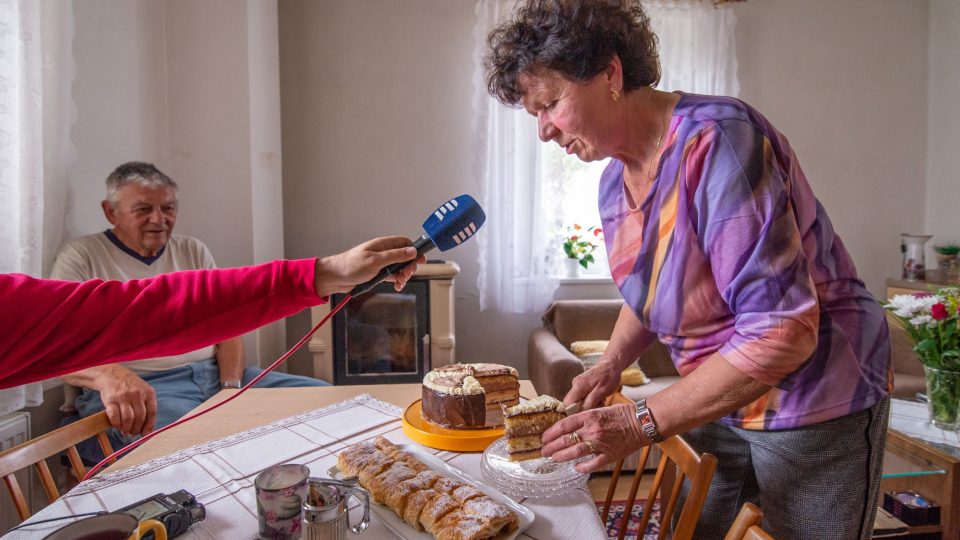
194 88
846 82
376 104
375 123
943 139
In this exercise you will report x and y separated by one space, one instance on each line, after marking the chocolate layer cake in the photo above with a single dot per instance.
525 424
469 395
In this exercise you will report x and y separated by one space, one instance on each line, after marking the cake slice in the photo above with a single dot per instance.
525 424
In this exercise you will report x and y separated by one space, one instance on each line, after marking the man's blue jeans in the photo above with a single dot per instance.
179 391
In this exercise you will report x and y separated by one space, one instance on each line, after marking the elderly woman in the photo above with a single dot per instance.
722 252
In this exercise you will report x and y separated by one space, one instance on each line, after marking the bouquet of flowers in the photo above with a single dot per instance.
932 321
579 243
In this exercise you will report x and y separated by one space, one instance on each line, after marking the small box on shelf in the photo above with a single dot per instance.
911 507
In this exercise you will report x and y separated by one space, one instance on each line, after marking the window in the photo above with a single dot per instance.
575 183
530 190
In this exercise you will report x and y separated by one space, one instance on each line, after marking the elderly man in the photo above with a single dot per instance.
138 396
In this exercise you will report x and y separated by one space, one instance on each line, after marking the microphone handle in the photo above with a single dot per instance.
423 245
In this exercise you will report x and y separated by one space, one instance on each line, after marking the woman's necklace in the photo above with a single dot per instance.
633 203
656 150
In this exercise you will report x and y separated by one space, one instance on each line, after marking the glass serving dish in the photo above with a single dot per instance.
536 478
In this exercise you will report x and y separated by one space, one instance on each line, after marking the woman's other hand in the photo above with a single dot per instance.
341 272
594 385
609 433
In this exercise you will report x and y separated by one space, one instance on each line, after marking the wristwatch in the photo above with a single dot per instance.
229 384
646 422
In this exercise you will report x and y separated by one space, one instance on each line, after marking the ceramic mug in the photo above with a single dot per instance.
281 491
109 527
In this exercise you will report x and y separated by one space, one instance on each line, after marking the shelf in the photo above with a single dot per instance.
898 466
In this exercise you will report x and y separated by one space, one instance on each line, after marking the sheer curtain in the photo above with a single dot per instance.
697 46
35 116
517 250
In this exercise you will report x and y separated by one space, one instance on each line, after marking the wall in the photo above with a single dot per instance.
376 104
845 81
194 88
943 157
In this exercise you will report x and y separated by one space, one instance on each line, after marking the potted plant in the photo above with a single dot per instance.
579 245
932 322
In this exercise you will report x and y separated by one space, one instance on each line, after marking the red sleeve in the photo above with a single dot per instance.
50 327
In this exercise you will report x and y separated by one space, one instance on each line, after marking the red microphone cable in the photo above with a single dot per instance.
256 379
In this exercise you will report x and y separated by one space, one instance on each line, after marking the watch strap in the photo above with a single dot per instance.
230 384
647 424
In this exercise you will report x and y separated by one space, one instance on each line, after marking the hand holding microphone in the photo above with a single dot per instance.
453 223
339 273
396 257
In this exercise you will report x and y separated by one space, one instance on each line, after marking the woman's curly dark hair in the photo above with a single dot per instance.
576 38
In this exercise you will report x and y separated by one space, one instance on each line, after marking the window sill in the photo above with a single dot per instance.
586 280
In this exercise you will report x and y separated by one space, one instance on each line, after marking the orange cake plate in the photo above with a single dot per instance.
441 438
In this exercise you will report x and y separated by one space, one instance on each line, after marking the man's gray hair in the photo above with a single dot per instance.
136 172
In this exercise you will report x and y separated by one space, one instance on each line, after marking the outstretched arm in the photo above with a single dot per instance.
55 327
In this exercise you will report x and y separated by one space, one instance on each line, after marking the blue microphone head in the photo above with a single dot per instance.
454 222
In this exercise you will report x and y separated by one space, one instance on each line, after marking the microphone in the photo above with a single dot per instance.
453 223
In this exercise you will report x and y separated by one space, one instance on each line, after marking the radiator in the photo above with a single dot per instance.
14 430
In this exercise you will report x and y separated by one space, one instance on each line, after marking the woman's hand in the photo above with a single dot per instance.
594 385
610 433
341 272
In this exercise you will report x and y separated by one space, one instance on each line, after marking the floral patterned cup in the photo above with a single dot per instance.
281 491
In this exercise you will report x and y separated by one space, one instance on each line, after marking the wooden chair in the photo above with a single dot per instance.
36 451
748 516
678 458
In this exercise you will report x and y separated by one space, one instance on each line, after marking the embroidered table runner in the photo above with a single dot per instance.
221 473
912 418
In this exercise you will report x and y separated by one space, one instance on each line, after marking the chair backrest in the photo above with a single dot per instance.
748 516
678 459
756 533
36 451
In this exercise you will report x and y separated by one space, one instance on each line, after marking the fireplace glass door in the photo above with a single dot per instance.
380 337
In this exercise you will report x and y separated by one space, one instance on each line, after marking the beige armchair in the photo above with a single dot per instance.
552 366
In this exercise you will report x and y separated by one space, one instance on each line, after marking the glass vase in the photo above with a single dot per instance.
943 397
911 245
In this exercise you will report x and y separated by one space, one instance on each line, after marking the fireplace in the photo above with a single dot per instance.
385 336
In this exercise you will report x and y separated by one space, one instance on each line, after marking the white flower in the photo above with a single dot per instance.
923 320
909 306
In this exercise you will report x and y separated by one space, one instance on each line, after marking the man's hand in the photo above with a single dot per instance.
130 402
341 272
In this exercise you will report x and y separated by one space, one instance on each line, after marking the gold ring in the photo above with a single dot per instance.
592 446
574 438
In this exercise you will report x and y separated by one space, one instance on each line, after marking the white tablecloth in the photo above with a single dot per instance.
221 473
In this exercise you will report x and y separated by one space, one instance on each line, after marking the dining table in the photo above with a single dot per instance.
216 457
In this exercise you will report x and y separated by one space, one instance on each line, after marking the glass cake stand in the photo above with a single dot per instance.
536 478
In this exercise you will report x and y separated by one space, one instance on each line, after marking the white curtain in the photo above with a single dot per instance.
36 70
697 46
517 247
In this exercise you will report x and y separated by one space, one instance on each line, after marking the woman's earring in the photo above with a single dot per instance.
615 95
